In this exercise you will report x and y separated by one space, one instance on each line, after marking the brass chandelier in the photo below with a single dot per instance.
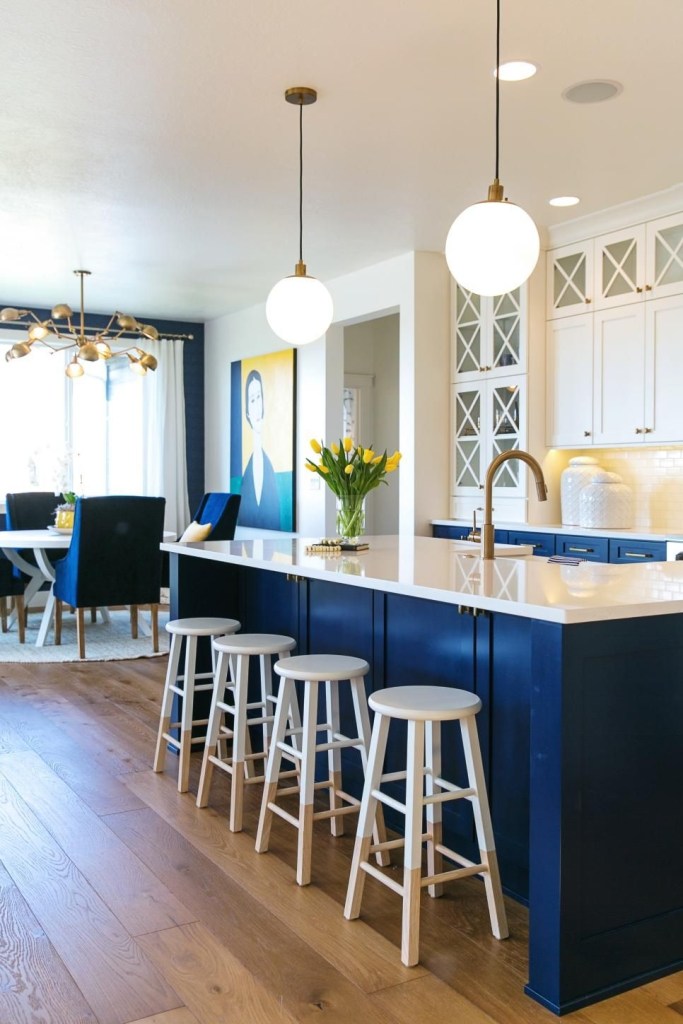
90 344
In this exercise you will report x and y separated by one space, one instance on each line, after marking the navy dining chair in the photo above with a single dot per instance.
12 586
30 510
221 510
113 559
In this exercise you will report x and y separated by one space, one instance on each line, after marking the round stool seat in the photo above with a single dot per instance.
321 667
254 643
425 703
202 626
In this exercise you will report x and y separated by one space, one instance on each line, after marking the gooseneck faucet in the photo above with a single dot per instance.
494 465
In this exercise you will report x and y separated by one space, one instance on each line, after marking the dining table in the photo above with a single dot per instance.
15 543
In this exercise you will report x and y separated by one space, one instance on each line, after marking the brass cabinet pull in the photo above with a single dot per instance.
584 551
640 430
637 554
586 433
648 287
587 301
639 290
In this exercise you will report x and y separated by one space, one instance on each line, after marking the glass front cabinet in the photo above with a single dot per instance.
631 265
488 418
489 334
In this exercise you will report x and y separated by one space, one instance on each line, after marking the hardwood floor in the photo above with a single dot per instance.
121 902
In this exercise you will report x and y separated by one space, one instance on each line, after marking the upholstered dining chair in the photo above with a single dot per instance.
12 586
31 510
221 511
113 559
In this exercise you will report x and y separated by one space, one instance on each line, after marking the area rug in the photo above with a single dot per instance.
104 641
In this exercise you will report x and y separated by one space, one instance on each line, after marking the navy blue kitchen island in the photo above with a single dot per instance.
580 671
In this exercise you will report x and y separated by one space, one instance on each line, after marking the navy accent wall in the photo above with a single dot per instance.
193 366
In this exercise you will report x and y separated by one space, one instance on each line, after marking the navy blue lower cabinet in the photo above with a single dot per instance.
622 550
606 731
589 549
542 543
450 532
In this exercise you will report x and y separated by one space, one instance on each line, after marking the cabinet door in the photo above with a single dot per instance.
466 438
507 351
569 381
620 267
506 414
663 419
664 273
570 279
469 327
619 368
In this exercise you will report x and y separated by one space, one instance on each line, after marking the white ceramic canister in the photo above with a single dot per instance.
578 474
606 503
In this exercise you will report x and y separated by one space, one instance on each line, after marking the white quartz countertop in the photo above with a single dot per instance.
634 533
439 570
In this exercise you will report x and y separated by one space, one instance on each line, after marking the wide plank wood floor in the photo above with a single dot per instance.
121 903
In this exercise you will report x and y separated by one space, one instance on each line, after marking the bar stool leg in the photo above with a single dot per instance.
287 696
433 812
213 730
366 817
334 769
360 706
240 741
482 821
167 702
412 864
266 667
186 715
307 785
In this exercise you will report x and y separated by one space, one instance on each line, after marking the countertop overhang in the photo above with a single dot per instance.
438 570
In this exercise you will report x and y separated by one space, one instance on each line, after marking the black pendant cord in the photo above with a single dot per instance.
497 87
301 182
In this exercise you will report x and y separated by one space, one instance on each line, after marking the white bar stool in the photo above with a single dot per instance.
188 630
235 652
425 708
311 670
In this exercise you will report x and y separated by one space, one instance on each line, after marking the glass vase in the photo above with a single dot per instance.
351 517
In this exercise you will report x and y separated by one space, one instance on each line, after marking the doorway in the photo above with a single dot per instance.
370 404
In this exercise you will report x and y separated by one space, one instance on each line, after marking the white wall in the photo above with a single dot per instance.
415 286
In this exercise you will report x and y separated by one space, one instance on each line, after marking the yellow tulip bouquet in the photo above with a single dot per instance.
351 471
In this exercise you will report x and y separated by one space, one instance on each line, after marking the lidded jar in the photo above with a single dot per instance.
579 473
606 503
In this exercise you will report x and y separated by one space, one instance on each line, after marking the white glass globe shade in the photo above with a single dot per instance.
299 309
492 247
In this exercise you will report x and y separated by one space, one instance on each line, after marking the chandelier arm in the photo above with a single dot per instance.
108 327
497 175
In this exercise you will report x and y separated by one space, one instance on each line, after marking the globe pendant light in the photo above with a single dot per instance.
299 308
493 246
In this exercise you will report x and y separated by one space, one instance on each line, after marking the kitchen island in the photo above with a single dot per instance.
580 671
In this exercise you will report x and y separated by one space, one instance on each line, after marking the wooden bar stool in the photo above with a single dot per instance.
188 630
311 670
234 652
425 708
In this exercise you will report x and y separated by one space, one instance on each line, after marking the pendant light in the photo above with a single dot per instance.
493 246
299 308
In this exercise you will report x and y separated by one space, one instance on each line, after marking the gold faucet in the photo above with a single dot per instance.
494 465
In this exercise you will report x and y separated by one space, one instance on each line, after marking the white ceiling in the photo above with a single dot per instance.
149 141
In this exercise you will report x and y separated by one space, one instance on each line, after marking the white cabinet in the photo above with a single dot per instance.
643 262
488 334
613 377
569 391
487 418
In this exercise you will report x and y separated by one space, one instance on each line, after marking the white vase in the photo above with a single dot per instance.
606 503
579 473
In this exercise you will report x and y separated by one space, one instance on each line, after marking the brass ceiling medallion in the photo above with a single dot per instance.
89 343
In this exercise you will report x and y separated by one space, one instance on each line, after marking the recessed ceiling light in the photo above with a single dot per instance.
564 201
516 70
596 91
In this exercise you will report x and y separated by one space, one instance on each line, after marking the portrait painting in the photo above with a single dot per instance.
262 404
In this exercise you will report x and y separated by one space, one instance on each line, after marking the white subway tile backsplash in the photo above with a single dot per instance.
655 476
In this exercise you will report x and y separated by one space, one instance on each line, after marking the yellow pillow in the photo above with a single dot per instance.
196 532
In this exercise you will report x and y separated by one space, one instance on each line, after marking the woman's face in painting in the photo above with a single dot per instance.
255 405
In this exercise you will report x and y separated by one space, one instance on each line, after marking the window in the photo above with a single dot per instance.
86 435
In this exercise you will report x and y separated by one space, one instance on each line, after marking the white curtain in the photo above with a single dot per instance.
165 462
